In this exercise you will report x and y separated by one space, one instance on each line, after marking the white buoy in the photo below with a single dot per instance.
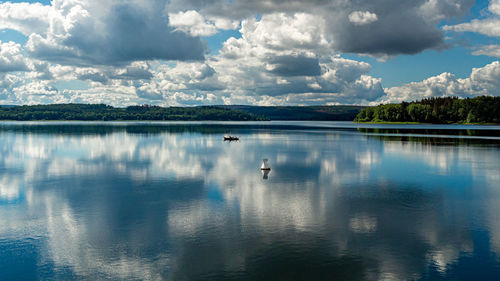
265 166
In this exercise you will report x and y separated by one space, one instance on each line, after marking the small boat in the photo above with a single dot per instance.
265 166
231 138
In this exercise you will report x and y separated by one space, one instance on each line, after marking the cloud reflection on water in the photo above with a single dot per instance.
123 205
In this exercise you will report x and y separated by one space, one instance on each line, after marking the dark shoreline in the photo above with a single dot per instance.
102 112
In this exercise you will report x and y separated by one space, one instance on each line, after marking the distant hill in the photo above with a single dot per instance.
102 112
93 112
317 113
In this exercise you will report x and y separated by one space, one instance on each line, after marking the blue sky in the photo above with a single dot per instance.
455 59
273 52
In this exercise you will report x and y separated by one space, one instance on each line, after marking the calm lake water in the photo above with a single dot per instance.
172 201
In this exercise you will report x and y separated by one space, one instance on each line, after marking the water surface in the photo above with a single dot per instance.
172 201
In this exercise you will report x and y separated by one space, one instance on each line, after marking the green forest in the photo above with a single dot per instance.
316 113
446 110
102 112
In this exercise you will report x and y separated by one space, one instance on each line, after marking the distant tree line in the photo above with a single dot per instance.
102 112
317 113
484 109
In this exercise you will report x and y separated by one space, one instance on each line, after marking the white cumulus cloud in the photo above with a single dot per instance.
192 23
488 50
289 52
362 17
494 6
489 26
11 57
94 32
482 81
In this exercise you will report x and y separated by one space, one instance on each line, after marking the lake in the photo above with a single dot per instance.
343 201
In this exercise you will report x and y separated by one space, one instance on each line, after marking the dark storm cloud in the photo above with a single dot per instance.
391 35
93 76
402 27
238 9
126 33
137 36
294 66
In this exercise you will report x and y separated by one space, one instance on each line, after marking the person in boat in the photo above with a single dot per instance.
230 138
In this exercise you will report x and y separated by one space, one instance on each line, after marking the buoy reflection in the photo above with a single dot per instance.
265 174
